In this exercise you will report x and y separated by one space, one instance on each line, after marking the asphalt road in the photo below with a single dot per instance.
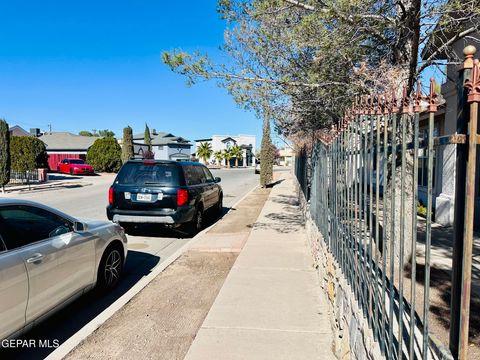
87 198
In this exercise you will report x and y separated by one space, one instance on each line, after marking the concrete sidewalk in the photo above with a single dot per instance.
271 305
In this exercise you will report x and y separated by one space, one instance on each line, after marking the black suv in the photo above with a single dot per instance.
163 192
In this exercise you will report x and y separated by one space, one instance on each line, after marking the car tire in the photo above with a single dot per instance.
110 268
195 226
219 206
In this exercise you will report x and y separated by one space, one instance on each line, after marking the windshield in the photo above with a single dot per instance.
148 174
76 161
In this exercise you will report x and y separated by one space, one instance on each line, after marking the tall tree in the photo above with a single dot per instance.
4 154
147 137
127 144
237 153
204 151
266 155
106 133
227 155
310 54
218 155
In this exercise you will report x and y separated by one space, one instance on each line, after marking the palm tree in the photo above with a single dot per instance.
218 155
237 153
204 151
227 155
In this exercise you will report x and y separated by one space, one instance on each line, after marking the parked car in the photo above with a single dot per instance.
164 192
48 259
74 167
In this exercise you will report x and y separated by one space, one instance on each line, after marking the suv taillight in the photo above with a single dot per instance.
110 195
182 197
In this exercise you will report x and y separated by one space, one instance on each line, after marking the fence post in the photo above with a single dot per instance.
473 85
459 203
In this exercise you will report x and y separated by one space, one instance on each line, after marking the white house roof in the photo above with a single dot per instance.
163 138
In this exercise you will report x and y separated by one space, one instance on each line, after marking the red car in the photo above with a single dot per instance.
74 166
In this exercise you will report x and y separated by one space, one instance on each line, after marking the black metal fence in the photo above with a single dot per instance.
361 180
25 177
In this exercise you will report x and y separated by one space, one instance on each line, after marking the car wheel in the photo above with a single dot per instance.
195 226
219 207
110 269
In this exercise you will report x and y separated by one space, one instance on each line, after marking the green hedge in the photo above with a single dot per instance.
105 155
4 153
27 153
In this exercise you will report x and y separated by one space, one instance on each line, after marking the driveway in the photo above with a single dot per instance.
148 249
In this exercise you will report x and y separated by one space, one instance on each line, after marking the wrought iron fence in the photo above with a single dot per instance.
24 177
362 183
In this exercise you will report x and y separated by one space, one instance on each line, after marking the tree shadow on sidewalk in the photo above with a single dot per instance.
289 220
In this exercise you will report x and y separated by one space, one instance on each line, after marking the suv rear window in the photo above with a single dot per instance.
148 174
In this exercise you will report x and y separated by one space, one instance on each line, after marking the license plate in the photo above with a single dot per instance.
144 197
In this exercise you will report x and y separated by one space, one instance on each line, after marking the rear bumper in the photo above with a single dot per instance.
143 219
179 216
89 171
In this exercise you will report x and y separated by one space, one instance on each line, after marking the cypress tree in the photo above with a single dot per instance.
4 154
147 137
127 144
266 154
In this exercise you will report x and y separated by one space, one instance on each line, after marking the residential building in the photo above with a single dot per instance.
18 131
63 145
446 124
223 142
285 156
165 146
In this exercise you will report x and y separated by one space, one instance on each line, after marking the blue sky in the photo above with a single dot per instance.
83 65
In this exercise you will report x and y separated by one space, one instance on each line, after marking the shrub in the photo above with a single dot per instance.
148 154
105 155
4 154
421 210
27 153
127 144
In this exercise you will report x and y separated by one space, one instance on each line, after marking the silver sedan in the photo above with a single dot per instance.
48 259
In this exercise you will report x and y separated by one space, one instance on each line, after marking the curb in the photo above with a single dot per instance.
72 342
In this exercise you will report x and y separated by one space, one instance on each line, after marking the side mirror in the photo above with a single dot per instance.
79 227
217 179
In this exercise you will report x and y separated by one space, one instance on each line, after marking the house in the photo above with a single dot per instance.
285 156
19 131
223 142
62 145
446 124
165 146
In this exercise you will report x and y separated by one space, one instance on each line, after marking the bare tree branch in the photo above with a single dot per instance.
301 5
441 48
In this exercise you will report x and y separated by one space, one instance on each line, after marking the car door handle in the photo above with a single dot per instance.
35 258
